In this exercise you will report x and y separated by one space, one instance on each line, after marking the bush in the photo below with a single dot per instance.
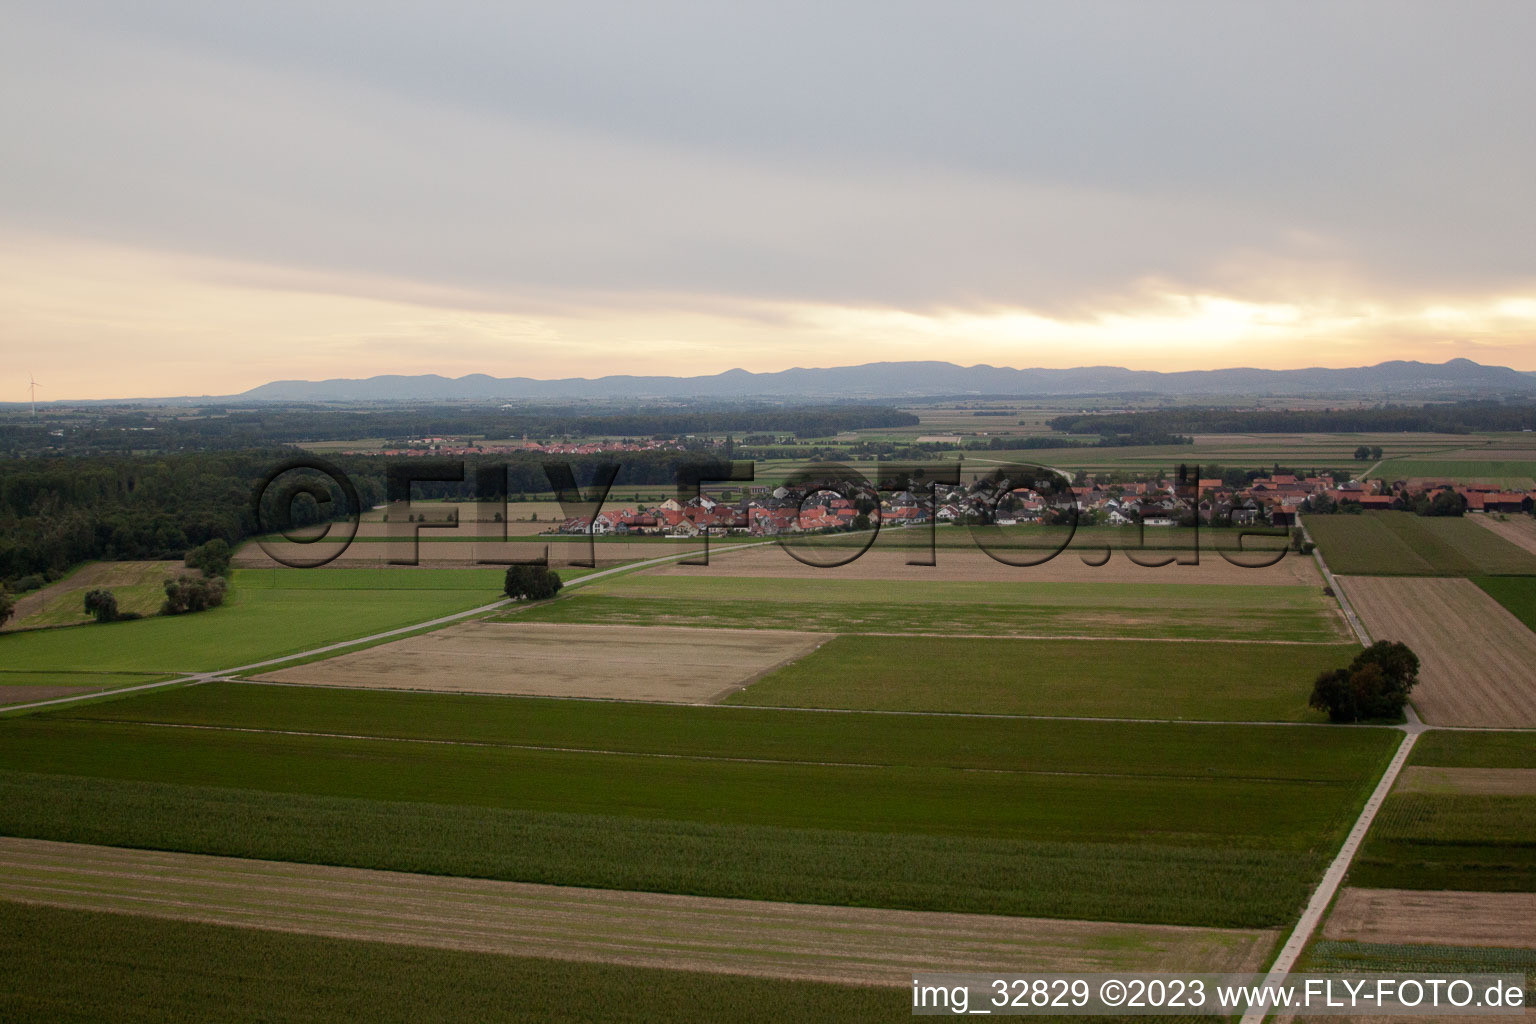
192 594
212 558
7 605
102 604
27 583
531 582
1374 686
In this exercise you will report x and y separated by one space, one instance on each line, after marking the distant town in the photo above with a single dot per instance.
1273 500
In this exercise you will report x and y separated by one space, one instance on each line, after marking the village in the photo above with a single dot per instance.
1273 500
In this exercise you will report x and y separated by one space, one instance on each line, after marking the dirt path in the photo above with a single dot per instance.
1435 917
841 944
1475 656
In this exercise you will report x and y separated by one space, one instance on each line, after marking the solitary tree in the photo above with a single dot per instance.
1376 452
1362 453
1375 685
102 604
531 582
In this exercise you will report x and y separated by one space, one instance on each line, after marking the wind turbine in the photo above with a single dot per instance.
33 387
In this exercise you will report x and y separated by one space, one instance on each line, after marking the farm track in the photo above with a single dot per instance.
1323 895
1476 656
783 940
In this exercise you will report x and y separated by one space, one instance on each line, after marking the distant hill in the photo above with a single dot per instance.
1397 379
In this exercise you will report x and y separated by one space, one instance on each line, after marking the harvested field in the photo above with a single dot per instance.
1518 530
558 660
1475 656
1470 781
769 561
1434 917
462 554
786 940
26 694
469 511
462 532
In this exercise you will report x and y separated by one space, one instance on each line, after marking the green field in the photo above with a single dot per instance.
1403 544
1394 958
86 966
1152 610
1456 841
1517 474
267 614
138 587
1116 821
1516 593
1449 749
1103 678
1453 841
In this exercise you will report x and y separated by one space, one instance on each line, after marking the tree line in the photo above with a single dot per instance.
58 512
1443 418
127 430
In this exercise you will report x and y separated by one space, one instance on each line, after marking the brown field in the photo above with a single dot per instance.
447 531
469 511
1470 781
664 663
840 944
27 694
968 564
465 554
1434 918
70 592
1518 530
1475 657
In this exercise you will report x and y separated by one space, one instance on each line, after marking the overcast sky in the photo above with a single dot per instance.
197 198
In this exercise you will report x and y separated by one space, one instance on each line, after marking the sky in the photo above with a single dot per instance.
198 198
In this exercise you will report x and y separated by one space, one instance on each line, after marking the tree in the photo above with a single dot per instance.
1362 453
212 558
192 594
1446 503
1376 453
1374 686
531 582
7 605
102 604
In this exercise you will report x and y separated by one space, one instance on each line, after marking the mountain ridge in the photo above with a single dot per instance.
917 379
